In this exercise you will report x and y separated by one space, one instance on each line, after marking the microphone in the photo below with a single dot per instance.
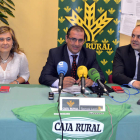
82 74
62 68
95 76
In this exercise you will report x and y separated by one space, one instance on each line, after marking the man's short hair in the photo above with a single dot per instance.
137 25
77 28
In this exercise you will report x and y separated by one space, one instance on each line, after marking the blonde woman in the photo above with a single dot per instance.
13 62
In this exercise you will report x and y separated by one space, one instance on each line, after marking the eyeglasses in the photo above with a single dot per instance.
75 39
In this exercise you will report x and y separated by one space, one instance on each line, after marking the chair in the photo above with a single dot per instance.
110 79
25 83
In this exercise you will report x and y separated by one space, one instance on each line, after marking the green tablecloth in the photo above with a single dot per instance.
12 128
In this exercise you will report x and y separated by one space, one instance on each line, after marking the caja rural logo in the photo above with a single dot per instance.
78 127
70 103
101 22
91 25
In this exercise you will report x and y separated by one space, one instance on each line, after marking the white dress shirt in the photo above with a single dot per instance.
17 67
55 84
136 71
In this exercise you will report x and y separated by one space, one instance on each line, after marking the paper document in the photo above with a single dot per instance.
128 7
138 9
75 89
128 23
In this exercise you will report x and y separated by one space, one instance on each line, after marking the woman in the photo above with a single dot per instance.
13 62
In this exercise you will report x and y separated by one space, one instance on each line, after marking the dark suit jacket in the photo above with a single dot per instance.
49 73
124 65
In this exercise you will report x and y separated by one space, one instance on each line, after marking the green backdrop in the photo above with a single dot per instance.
101 21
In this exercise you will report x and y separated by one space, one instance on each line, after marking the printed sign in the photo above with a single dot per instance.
78 127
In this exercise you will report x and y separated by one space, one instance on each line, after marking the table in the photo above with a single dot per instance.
12 128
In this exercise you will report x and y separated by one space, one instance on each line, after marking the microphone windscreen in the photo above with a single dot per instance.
93 74
62 67
82 71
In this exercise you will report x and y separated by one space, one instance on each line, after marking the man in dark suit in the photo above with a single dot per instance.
75 40
125 65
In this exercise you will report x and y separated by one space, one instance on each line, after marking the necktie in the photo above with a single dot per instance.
138 72
74 67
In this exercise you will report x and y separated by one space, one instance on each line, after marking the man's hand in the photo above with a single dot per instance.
88 82
136 84
68 81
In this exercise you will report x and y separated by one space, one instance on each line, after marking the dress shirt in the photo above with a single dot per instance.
136 70
55 84
17 67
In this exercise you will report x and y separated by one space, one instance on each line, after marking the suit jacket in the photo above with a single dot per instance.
124 65
49 73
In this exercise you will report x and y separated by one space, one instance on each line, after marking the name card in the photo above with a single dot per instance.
82 104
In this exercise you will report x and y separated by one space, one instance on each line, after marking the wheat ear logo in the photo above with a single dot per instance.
70 103
91 25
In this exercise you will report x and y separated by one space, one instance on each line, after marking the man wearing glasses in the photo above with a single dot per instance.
72 50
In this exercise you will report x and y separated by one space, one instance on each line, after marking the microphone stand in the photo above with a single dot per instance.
101 85
99 93
83 85
60 86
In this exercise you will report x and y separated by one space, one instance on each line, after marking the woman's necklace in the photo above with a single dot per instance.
4 61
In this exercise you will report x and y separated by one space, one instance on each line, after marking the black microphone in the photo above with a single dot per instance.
103 87
138 102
